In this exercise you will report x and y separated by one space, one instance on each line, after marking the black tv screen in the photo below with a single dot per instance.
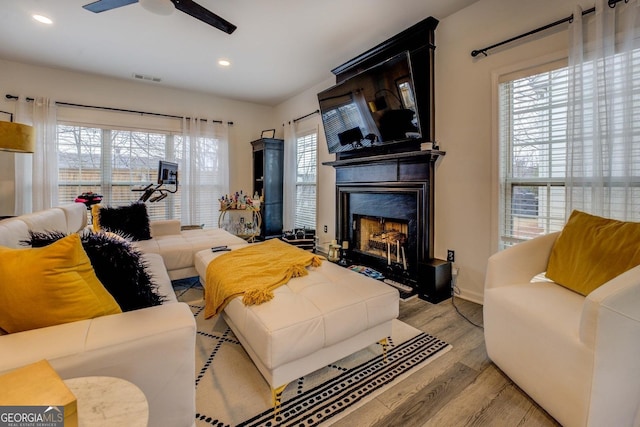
374 107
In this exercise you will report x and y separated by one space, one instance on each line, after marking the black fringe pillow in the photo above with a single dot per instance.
131 220
117 264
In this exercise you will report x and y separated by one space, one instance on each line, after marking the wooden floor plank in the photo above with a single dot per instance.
460 388
420 407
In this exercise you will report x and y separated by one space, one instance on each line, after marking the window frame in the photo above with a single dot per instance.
301 137
502 188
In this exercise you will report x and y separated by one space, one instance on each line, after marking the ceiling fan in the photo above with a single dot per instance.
164 7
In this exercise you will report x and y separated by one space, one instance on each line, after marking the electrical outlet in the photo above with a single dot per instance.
451 255
326 229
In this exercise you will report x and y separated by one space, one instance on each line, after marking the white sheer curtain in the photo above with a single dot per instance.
289 176
603 140
36 177
203 155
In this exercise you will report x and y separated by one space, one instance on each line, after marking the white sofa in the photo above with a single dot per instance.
153 348
178 247
578 357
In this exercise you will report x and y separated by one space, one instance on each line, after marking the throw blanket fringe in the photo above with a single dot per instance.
253 272
257 296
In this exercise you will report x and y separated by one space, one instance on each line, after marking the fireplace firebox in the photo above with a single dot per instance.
384 238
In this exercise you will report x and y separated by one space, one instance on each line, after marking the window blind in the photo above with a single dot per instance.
111 162
306 176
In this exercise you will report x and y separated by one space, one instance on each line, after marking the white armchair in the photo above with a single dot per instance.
578 357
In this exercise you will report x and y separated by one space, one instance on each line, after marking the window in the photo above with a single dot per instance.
533 135
533 126
306 176
112 161
208 162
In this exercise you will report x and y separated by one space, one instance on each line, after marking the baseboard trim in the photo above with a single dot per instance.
476 297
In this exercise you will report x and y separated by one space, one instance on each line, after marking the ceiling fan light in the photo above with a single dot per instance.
159 7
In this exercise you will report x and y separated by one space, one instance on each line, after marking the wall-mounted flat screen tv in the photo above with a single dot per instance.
374 107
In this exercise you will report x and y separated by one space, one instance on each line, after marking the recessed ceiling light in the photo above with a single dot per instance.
42 19
224 62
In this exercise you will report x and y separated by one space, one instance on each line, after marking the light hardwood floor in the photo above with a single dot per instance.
460 388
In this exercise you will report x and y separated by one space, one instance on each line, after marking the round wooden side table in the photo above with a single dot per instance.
108 402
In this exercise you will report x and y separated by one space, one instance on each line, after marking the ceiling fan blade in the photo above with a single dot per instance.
194 9
102 5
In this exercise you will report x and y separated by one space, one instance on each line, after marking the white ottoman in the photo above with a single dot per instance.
311 322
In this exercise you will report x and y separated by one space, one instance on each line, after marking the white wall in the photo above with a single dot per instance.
466 217
28 80
466 180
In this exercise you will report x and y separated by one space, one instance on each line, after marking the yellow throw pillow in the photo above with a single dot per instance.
592 250
50 285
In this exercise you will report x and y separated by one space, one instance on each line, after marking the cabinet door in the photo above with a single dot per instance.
268 158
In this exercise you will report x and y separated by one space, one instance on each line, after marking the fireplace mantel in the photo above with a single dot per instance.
434 156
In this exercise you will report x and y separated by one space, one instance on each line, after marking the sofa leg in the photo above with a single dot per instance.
384 343
276 394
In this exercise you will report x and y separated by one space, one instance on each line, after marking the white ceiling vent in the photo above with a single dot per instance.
146 77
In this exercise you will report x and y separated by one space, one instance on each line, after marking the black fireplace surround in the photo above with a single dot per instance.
395 184
395 188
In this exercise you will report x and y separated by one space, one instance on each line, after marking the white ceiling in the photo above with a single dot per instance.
280 48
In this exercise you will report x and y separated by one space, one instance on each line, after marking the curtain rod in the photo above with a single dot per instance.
474 53
120 110
303 117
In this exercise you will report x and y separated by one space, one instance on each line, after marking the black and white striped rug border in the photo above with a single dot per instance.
333 397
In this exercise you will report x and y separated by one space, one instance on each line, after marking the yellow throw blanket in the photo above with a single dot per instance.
254 271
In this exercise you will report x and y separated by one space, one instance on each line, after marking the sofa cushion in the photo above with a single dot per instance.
178 250
592 250
131 220
48 286
117 264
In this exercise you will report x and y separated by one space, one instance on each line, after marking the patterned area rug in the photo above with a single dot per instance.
231 391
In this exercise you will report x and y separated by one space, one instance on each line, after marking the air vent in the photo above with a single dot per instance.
146 77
